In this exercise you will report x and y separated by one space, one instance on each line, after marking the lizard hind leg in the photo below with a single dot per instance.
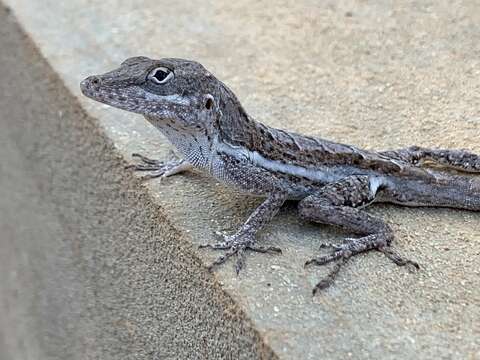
338 204
460 160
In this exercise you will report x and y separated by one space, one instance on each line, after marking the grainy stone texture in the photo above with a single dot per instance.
378 75
90 268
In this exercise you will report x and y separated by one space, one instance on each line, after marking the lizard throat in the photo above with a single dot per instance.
193 145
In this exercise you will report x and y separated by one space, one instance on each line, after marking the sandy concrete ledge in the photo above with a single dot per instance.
378 75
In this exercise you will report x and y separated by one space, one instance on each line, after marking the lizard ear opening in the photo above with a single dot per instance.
209 102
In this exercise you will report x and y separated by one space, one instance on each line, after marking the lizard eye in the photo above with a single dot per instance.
160 75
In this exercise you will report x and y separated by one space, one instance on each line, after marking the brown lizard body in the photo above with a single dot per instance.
204 120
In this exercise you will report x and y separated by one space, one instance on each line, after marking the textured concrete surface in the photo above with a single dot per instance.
90 268
378 75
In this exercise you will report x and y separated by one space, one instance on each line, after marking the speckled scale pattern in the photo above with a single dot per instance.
255 180
462 160
278 144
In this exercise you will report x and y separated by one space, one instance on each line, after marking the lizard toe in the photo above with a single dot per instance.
351 247
237 245
146 160
398 259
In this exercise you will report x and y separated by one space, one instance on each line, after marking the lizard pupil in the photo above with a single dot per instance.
161 75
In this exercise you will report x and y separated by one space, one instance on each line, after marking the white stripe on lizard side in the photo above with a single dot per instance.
319 174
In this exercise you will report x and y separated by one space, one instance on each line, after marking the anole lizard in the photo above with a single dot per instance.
332 182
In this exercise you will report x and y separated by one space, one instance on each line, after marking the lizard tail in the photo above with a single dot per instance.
459 192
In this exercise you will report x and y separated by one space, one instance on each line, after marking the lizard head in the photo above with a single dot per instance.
179 91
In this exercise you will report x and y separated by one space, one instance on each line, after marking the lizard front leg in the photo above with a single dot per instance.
158 168
245 238
338 204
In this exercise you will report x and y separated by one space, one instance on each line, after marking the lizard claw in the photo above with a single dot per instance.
330 278
397 259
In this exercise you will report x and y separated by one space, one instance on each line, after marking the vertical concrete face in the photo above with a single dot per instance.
117 273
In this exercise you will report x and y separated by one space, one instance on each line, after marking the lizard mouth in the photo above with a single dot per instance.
93 88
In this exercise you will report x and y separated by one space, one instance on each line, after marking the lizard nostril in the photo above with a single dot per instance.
95 80
91 83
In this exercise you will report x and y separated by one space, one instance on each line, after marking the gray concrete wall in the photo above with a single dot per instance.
95 264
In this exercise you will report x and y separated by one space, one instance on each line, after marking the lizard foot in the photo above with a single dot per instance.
237 245
343 252
158 168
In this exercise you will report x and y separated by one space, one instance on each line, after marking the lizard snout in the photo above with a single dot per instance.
90 83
